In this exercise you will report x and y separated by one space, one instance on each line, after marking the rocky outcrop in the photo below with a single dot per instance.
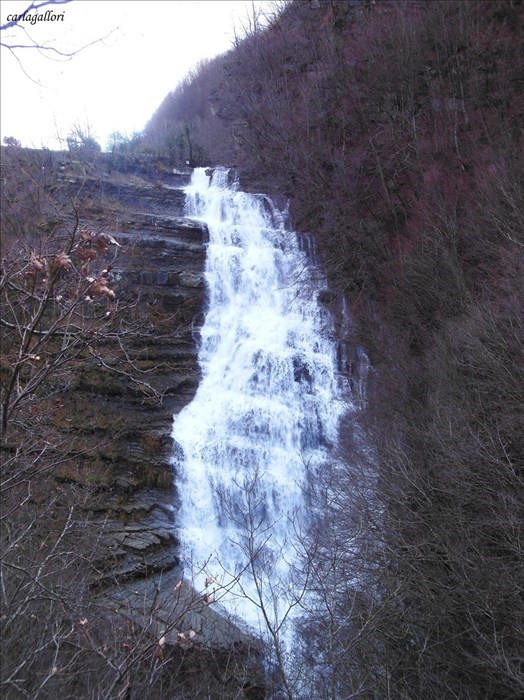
121 412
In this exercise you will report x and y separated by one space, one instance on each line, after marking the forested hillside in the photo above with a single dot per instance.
394 130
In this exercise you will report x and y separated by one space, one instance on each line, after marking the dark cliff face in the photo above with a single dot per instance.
393 128
124 411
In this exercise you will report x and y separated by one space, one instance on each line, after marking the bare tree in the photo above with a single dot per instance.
17 33
56 303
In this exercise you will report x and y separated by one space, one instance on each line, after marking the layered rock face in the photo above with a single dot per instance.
123 411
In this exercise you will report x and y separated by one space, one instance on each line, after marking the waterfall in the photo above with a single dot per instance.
266 412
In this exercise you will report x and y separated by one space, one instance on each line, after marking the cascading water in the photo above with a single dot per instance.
266 412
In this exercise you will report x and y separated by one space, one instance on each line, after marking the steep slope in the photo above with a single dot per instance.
88 545
123 412
394 131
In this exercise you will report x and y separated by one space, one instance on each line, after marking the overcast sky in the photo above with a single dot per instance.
116 84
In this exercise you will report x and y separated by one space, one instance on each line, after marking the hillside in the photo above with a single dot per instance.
102 294
394 131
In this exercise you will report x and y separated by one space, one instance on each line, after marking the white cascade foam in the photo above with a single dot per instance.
266 412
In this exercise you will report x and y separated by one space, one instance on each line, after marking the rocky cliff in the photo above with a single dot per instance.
124 411
394 130
87 483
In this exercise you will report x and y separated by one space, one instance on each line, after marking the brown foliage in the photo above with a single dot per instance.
62 323
394 129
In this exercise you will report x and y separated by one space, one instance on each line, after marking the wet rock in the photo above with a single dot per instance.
125 423
326 296
190 279
140 541
301 371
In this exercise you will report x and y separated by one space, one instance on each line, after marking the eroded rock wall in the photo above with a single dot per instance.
121 410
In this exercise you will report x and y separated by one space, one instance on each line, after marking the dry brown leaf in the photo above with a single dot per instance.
86 253
37 264
63 261
102 245
100 287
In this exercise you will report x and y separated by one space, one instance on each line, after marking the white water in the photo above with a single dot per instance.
268 405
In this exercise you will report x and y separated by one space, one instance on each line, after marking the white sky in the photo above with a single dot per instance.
117 84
